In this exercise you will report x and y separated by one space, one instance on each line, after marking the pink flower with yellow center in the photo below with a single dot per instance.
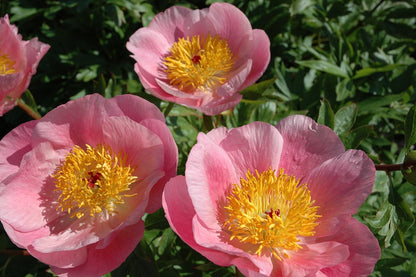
75 184
18 62
200 58
275 201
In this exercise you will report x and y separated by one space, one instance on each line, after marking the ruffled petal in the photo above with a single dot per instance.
170 23
100 261
363 248
256 146
12 148
306 145
209 173
340 185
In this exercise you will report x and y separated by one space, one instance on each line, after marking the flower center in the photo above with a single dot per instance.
92 181
199 63
270 213
6 65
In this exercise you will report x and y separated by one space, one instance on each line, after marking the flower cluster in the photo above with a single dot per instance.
76 184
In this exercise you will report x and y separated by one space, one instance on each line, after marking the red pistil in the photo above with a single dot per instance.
196 59
271 212
94 177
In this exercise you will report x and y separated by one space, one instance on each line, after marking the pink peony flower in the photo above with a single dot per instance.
200 58
75 184
18 62
275 201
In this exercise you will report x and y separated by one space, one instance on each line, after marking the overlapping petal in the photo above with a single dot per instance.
29 199
250 50
338 183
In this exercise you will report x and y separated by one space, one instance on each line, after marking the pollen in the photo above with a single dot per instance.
93 180
6 65
199 63
270 214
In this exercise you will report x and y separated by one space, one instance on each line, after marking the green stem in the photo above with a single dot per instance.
28 110
208 122
168 109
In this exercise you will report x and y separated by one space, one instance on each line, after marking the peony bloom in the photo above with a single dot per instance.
18 62
75 184
200 58
275 201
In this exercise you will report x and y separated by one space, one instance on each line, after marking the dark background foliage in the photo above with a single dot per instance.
348 64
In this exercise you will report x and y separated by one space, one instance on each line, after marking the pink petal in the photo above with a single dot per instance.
258 49
63 259
256 146
241 73
209 173
213 239
170 161
149 47
170 23
24 239
72 237
128 105
340 185
181 214
313 257
12 148
103 260
306 145
84 117
222 105
21 205
136 142
363 248
229 22
58 135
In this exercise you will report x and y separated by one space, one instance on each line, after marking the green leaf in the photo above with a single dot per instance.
326 114
371 70
345 119
410 128
354 138
373 104
298 6
325 67
345 89
406 218
385 221
166 240
255 91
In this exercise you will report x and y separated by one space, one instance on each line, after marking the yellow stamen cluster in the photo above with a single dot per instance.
270 213
199 63
92 181
6 65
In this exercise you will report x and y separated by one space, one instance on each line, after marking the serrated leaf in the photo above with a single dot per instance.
325 67
410 128
345 118
255 91
326 114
